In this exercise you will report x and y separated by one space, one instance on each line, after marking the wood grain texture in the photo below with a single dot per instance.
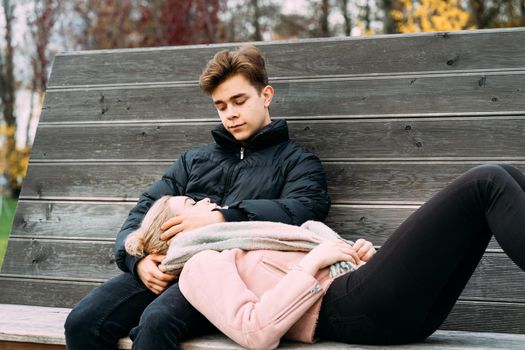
348 182
45 325
80 220
486 317
413 94
43 292
342 139
102 220
499 49
497 278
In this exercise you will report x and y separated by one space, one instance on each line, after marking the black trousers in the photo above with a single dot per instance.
405 292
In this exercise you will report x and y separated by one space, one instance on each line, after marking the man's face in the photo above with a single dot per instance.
243 111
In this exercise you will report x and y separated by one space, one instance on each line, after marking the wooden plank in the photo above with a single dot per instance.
43 292
487 317
343 139
466 315
392 182
348 182
34 327
82 220
43 325
102 220
91 180
497 278
495 49
501 92
374 223
72 259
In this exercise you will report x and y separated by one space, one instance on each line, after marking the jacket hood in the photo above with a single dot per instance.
272 134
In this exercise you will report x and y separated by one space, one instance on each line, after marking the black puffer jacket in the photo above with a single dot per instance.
269 178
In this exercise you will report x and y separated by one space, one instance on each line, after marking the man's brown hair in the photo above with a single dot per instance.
246 60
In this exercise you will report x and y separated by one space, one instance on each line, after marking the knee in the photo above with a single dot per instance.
79 324
155 318
489 172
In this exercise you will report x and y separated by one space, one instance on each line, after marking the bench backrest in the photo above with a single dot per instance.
393 118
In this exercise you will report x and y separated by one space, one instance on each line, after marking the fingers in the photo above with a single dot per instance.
364 249
352 254
149 273
177 219
158 286
348 253
172 227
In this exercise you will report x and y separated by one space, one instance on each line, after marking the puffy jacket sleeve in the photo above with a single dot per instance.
172 183
251 321
303 197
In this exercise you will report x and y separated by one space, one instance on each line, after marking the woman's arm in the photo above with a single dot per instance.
211 283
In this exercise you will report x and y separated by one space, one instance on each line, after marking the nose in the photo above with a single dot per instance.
205 201
231 112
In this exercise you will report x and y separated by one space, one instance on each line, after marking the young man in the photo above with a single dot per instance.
253 170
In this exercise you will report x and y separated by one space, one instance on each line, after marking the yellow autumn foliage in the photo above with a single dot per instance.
13 160
430 16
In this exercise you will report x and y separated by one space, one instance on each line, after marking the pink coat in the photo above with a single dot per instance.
255 297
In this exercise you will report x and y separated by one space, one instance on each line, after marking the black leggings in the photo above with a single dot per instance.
405 292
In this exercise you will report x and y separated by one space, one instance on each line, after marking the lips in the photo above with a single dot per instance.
235 127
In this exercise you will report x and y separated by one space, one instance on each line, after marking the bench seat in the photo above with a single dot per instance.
37 327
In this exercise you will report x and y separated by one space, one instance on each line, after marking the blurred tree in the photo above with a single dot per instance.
484 13
431 15
247 20
41 23
389 7
135 23
343 6
292 26
179 22
497 13
105 24
8 86
324 30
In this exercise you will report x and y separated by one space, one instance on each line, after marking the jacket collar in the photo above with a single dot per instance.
272 134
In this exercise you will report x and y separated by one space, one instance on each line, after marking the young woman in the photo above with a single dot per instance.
402 294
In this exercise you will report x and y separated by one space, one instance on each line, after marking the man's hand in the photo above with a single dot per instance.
364 249
149 273
189 221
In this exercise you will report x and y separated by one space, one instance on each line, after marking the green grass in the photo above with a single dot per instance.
6 220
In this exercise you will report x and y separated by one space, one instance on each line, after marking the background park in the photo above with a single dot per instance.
33 31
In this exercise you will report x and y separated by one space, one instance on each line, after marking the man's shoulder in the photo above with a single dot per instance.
299 151
200 151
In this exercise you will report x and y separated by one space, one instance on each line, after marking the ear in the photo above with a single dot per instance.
267 93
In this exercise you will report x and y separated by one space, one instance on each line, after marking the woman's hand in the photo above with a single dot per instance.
365 249
327 253
149 273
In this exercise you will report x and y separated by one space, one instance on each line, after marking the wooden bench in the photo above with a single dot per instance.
393 118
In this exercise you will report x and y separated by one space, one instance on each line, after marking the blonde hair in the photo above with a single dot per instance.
246 60
146 239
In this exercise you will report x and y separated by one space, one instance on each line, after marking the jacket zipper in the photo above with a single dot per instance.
230 173
298 302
